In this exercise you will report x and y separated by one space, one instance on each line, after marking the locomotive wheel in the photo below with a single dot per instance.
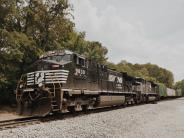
147 100
78 107
84 108
71 109
135 101
124 105
154 102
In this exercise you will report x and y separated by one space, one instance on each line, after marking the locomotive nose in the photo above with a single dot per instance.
40 92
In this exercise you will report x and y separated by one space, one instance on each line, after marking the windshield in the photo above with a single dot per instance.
59 58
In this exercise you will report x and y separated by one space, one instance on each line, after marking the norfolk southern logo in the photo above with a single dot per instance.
39 77
116 80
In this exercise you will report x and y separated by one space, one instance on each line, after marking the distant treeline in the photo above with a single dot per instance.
29 28
147 71
180 85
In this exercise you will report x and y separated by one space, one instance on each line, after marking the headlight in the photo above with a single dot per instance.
40 84
21 86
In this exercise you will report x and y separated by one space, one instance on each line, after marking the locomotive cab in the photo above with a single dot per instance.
53 61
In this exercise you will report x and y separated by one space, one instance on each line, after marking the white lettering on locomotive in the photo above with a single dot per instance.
119 86
79 72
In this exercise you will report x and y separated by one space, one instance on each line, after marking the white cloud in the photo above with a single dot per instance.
138 31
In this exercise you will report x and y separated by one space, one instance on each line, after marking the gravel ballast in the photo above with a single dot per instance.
162 120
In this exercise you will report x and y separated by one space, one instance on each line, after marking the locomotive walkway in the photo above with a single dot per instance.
162 120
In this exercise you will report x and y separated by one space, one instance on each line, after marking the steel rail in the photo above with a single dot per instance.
15 123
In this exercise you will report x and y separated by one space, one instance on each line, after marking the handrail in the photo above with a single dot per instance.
18 95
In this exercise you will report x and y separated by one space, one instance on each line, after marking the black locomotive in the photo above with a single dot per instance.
63 81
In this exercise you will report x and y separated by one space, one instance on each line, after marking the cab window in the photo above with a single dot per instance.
60 58
80 61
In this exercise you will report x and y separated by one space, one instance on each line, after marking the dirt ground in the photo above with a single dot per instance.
7 113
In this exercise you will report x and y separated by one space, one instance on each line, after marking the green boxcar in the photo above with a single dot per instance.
162 90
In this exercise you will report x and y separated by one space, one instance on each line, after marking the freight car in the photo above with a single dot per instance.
171 92
66 81
162 91
165 92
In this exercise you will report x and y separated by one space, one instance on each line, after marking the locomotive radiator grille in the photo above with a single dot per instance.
47 77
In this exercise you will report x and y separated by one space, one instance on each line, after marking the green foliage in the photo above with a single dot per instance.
47 23
77 42
92 50
96 51
180 86
17 52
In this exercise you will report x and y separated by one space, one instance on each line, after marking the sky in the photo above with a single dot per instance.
138 31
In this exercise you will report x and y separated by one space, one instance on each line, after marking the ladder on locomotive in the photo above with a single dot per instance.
18 93
54 104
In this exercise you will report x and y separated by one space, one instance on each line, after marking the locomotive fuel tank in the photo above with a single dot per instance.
110 100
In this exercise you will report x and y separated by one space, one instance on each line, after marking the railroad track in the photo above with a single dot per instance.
15 123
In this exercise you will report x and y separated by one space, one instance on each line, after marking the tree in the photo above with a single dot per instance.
96 51
48 23
147 71
17 52
77 42
180 86
92 50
